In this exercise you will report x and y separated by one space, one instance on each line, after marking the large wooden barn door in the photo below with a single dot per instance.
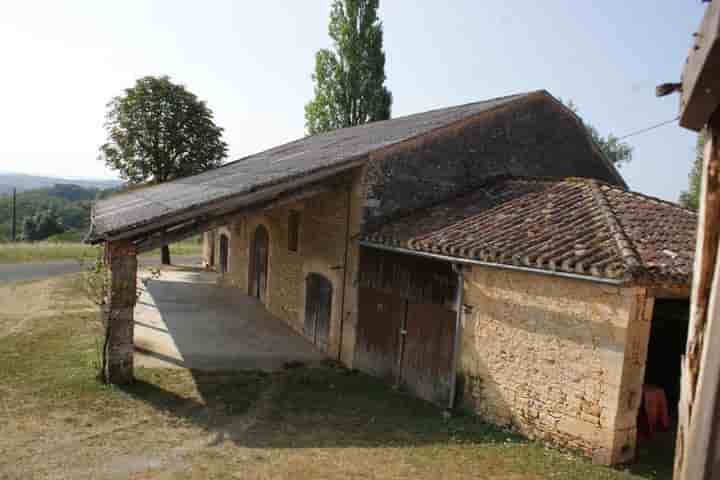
378 333
406 342
405 330
223 253
428 351
318 309
259 263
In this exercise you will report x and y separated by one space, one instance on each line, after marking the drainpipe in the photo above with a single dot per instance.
459 295
401 345
345 268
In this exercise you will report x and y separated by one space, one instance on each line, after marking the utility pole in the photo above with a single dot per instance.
14 216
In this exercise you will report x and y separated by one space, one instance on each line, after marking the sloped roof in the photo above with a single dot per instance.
136 208
573 225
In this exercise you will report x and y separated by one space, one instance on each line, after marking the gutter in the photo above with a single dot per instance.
345 269
467 261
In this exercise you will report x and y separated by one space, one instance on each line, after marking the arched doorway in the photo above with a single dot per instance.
259 263
223 253
318 309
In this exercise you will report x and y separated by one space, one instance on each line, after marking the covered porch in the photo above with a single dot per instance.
197 319
184 319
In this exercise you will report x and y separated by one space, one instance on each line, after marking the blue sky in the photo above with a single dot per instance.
251 61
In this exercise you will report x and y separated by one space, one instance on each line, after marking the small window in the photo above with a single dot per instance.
293 230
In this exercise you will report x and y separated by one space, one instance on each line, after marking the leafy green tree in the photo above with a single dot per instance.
350 80
617 152
159 131
690 198
41 226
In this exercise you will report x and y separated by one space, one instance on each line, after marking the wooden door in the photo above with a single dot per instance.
378 332
318 309
428 351
223 253
407 343
259 263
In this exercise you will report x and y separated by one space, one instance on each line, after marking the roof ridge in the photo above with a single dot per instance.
423 112
625 246
600 183
650 197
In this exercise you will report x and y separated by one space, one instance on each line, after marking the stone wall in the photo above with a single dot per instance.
321 249
536 137
556 359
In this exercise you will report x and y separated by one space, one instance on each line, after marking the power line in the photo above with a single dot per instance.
653 127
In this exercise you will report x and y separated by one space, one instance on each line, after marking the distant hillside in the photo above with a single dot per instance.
25 182
69 205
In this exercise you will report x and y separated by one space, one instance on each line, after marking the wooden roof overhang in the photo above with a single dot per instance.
700 90
191 221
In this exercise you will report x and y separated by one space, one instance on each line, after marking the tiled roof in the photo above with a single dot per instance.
136 208
573 225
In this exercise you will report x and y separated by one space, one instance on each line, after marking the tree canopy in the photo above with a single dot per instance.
158 131
690 198
42 225
350 80
616 151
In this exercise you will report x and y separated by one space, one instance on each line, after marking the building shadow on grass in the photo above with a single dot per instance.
310 407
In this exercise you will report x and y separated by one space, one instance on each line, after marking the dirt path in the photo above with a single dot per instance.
22 303
148 445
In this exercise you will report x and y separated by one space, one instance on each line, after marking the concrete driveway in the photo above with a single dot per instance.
184 319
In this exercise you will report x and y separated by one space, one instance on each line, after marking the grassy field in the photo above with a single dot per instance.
22 252
308 422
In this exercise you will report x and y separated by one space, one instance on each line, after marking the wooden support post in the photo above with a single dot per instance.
121 257
14 215
696 456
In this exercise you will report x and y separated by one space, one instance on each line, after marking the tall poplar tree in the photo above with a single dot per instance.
350 80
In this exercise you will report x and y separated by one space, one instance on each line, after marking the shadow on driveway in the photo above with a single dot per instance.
184 319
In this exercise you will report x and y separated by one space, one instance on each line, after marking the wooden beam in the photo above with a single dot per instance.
671 293
700 85
182 231
237 202
697 442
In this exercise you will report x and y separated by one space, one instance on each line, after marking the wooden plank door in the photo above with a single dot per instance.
427 356
318 309
377 347
223 253
259 263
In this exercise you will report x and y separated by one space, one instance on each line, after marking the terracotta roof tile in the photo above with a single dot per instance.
573 225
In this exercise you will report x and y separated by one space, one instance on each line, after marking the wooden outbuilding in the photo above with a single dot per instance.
698 441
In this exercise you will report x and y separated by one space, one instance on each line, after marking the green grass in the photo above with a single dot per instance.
23 252
311 421
187 247
70 236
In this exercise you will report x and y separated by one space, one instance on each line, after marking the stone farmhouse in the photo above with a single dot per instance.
485 256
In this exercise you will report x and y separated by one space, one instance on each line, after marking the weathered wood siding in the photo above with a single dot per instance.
406 328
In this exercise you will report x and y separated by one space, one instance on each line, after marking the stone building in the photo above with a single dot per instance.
484 256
